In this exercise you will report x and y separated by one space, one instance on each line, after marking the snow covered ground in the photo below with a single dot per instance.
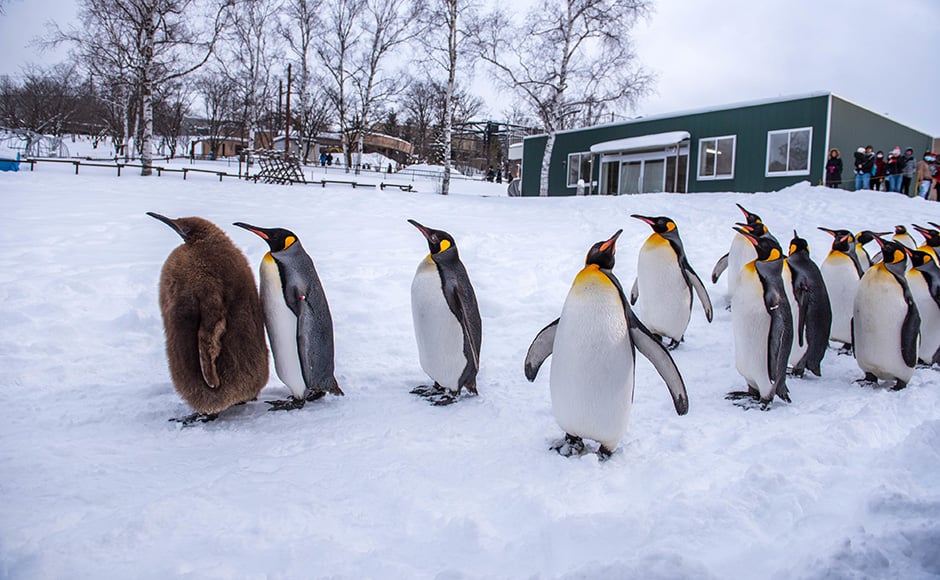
96 483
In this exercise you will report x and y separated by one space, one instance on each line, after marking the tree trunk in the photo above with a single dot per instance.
146 95
449 94
546 159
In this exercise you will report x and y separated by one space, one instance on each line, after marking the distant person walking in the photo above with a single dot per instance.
908 168
864 162
834 169
924 177
893 170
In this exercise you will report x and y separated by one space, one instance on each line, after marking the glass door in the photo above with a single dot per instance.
653 175
630 172
610 178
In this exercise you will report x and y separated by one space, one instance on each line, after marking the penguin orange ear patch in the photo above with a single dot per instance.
898 256
792 248
670 226
774 255
445 244
289 241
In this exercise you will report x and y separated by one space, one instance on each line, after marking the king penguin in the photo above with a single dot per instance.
924 281
903 237
664 282
814 313
931 240
741 252
447 321
864 259
841 272
297 317
886 324
592 371
212 319
763 324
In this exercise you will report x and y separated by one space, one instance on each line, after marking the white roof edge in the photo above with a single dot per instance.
653 141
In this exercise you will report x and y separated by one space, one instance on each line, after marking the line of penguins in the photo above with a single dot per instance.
785 311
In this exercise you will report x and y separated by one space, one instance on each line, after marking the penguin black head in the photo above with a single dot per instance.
798 244
439 241
752 218
191 229
661 225
843 240
602 253
756 229
919 259
894 255
931 236
768 250
899 230
278 239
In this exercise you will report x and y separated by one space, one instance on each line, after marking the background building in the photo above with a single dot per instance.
757 146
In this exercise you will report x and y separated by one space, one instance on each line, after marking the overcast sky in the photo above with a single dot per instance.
883 55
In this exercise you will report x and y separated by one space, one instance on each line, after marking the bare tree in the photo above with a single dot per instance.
170 108
47 101
359 36
216 95
156 41
564 57
300 30
248 53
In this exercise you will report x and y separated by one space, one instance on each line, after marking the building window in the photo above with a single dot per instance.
788 152
716 157
579 167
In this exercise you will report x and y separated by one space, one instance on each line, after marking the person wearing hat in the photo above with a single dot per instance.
925 174
864 162
908 168
834 169
893 170
879 172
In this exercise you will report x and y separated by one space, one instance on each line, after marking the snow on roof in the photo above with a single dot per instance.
654 141
515 151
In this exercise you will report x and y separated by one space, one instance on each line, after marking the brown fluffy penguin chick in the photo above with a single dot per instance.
212 319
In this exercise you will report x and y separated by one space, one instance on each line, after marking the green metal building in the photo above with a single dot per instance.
757 146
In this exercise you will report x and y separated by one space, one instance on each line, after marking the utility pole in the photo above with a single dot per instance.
287 116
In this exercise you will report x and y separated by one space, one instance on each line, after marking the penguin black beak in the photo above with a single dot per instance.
750 216
183 232
253 229
426 232
643 218
934 225
876 237
611 244
926 232
828 231
747 234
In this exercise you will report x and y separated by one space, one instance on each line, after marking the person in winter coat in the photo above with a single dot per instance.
864 162
893 170
834 169
925 174
881 169
908 168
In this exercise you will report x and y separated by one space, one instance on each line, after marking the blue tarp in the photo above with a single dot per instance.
10 164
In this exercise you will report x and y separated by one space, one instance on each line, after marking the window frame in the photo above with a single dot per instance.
788 172
579 156
701 147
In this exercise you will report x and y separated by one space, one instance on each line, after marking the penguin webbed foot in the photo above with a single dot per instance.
570 446
190 420
898 385
443 399
749 399
797 371
869 380
603 454
427 390
673 343
290 404
846 349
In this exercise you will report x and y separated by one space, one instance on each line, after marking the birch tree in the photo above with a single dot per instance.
156 41
564 57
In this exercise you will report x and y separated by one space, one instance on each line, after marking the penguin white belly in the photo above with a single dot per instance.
929 315
592 362
741 253
841 279
281 325
437 330
863 260
796 351
751 326
665 302
879 314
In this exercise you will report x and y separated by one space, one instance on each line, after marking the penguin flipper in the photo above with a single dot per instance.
656 353
779 339
802 300
461 306
910 336
720 266
315 350
700 290
635 291
540 349
211 329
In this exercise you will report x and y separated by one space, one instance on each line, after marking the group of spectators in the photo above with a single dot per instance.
900 173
